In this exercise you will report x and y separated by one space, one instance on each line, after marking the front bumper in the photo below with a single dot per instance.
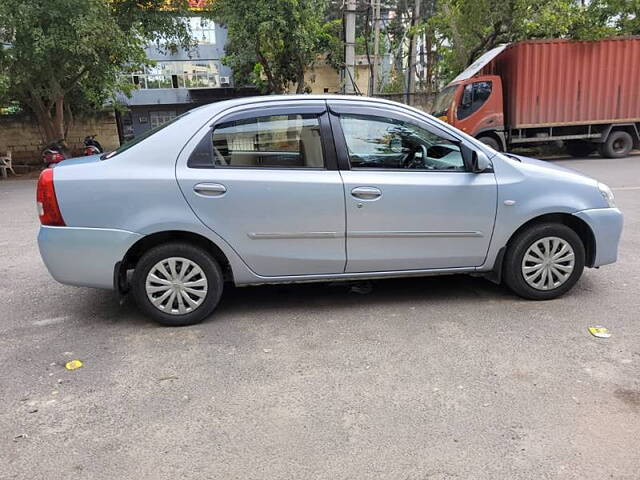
606 225
84 257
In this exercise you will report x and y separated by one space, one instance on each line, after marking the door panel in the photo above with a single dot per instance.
421 220
281 222
410 202
262 186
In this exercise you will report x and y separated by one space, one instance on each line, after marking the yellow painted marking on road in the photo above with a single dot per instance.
599 331
73 365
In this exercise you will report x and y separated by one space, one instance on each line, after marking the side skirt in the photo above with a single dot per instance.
355 276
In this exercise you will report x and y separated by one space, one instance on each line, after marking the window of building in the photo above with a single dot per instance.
202 30
277 141
160 117
178 74
376 142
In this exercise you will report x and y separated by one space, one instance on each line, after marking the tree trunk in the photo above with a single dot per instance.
430 63
58 120
43 117
274 87
300 77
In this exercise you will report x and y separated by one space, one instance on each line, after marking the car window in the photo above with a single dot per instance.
473 97
376 142
126 146
276 141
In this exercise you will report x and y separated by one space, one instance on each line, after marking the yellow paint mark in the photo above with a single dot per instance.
73 365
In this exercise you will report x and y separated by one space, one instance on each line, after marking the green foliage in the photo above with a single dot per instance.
61 57
606 18
159 21
467 28
272 42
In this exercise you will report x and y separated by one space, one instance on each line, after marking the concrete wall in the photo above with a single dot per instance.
322 76
21 135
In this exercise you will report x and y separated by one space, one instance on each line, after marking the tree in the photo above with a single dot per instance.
271 43
468 28
61 57
605 18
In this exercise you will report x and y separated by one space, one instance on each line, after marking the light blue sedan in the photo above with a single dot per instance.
314 188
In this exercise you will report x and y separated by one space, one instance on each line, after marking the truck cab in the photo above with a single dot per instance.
475 106
548 91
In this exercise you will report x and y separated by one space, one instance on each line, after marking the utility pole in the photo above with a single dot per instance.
411 81
376 46
349 46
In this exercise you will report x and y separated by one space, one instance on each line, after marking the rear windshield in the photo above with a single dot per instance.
134 141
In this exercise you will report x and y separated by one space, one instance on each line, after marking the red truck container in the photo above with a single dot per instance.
584 93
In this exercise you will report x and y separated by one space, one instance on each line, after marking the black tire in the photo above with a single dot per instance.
580 148
617 145
492 142
202 259
518 246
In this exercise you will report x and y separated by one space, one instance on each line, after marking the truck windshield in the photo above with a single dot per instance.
443 101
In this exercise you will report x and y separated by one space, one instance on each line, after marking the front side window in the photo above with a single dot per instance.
277 141
376 142
474 96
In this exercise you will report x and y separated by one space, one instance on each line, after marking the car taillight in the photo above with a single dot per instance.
48 209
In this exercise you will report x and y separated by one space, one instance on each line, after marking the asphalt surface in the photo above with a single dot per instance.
436 378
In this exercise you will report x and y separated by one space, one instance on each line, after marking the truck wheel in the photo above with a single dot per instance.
580 148
177 284
492 142
544 261
617 145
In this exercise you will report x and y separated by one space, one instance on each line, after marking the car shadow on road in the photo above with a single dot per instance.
367 294
300 298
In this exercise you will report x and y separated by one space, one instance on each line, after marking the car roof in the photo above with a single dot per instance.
255 100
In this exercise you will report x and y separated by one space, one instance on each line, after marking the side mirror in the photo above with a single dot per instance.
482 163
474 160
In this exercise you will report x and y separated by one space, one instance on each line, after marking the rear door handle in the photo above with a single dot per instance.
366 193
210 189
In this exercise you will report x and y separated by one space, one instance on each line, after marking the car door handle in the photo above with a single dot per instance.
366 193
210 189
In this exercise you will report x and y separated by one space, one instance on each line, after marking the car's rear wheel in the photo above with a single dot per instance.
177 284
544 261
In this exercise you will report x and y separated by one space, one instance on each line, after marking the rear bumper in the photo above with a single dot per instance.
84 257
606 225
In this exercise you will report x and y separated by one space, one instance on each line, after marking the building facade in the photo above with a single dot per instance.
178 81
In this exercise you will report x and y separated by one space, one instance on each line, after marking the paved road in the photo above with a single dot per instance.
440 378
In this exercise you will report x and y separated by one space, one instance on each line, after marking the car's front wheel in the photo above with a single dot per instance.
544 261
177 284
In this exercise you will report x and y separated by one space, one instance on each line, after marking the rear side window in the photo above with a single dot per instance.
474 96
140 138
276 141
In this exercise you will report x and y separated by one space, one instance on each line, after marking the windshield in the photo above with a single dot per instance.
443 101
140 138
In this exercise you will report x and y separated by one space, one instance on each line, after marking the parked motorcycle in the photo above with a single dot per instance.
91 145
54 153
